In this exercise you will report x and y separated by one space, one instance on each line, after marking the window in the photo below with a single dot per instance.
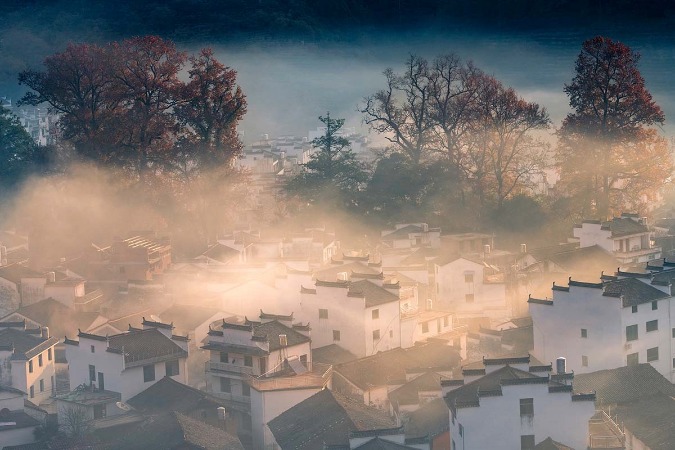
527 407
584 361
49 354
655 306
32 391
246 389
172 368
376 314
224 357
93 349
92 373
527 442
446 321
461 430
652 354
633 309
425 327
584 333
391 333
376 335
101 381
336 335
42 385
454 447
303 360
652 325
99 411
468 278
248 361
40 360
149 373
633 359
225 385
673 363
323 314
30 366
469 298
263 364
673 331
631 332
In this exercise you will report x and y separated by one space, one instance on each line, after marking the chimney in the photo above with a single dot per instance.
45 332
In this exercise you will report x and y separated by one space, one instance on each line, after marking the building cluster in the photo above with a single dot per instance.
279 340
38 122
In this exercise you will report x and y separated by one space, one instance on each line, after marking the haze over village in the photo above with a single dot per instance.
446 256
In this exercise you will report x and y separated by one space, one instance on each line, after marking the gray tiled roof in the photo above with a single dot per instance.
408 394
624 384
140 345
275 328
633 291
296 428
170 395
16 272
332 354
550 444
620 226
651 420
26 345
491 382
60 319
430 420
374 294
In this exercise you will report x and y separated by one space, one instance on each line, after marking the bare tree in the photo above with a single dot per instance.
75 421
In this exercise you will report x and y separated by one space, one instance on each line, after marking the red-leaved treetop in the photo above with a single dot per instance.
613 115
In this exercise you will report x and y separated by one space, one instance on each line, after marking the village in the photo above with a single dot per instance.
273 339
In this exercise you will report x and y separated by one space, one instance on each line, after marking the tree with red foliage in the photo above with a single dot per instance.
600 165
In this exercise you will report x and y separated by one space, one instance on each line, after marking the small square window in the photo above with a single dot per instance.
631 332
248 361
42 385
172 368
93 349
584 333
425 327
527 407
469 298
652 325
149 373
655 306
633 359
468 278
652 354
49 354
40 360
246 389
634 308
336 335
376 314
323 314
376 335
673 332
92 373
225 385
584 361
30 366
224 357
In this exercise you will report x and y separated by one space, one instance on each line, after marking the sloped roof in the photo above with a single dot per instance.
221 253
389 367
550 444
297 428
330 273
403 232
169 395
60 319
491 382
16 272
429 420
378 443
633 292
175 430
332 354
187 317
145 344
625 384
26 345
374 294
651 420
408 394
593 259
622 226
420 256
273 329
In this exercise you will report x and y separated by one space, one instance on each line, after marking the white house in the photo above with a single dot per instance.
469 288
27 360
127 363
260 368
604 325
409 235
21 283
509 404
16 426
627 237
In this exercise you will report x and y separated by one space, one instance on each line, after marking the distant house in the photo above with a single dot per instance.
326 419
27 360
415 393
16 426
20 285
627 237
509 404
431 421
371 379
469 288
127 363
409 235
635 407
620 320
